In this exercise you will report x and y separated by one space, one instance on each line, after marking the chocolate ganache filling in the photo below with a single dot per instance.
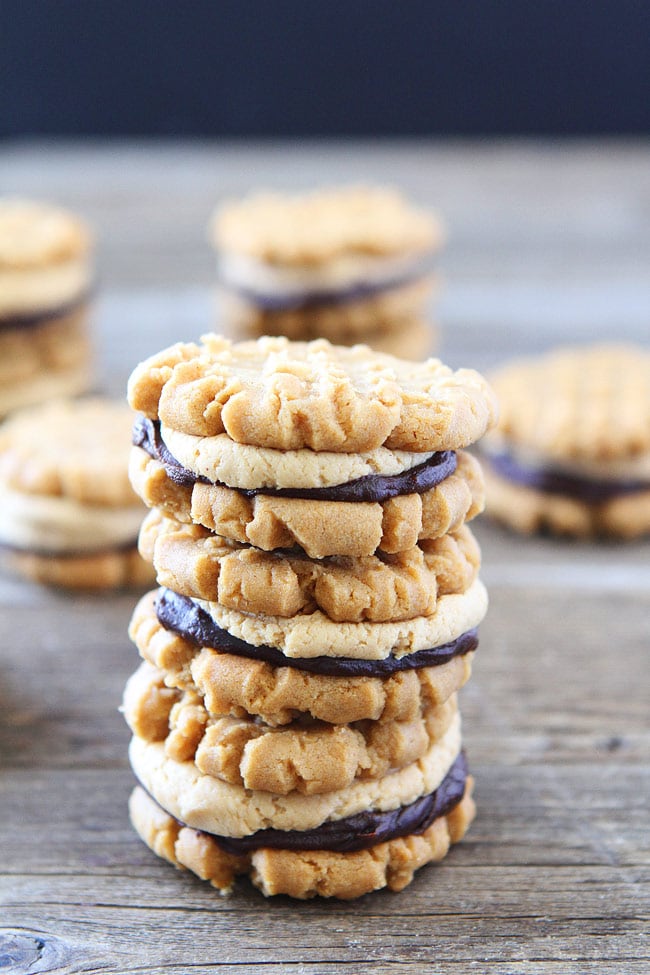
372 487
552 481
72 553
309 298
363 830
181 615
31 319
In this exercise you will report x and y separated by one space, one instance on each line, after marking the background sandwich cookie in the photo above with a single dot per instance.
46 279
571 453
68 515
353 264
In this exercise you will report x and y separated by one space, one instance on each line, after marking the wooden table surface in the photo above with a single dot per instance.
547 243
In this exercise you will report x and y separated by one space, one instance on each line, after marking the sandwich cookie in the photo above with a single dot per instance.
204 802
394 513
68 515
419 834
316 843
571 453
238 679
46 279
351 264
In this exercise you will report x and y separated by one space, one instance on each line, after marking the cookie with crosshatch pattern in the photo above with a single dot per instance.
571 452
68 514
348 264
284 395
45 283
195 562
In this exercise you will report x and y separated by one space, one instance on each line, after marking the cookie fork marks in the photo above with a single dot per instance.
192 561
289 395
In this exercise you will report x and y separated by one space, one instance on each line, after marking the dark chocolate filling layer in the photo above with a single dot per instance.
47 553
362 831
32 319
552 481
183 616
290 301
372 487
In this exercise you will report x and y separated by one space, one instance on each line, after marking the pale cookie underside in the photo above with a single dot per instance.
205 802
321 528
578 404
70 448
304 757
196 563
121 569
240 686
59 526
243 466
527 510
315 227
315 634
301 875
28 295
36 234
287 396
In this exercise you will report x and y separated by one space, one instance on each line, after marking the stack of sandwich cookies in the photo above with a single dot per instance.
349 265
68 515
45 281
295 716
571 453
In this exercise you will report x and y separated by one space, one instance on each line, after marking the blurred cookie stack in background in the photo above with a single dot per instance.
351 265
295 718
571 453
46 278
68 514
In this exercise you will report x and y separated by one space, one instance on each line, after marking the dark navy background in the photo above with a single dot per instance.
362 67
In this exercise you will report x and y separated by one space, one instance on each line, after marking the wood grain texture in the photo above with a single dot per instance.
547 244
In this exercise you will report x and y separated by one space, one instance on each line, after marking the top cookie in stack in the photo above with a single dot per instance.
318 613
352 264
245 438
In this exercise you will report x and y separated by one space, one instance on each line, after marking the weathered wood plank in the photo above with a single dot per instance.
169 942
